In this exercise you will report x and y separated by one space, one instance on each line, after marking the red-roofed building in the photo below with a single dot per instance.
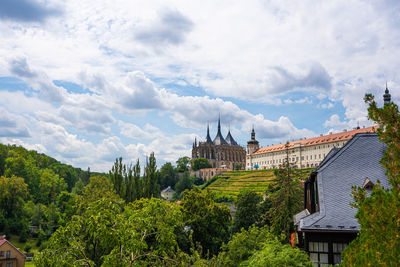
304 153
10 256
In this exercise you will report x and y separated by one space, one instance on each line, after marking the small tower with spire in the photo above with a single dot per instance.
252 144
386 96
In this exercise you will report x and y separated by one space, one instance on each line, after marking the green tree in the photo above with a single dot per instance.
167 176
208 220
86 239
13 193
150 185
50 186
378 242
247 210
243 244
138 188
286 199
116 175
146 235
183 164
274 254
184 183
200 163
99 187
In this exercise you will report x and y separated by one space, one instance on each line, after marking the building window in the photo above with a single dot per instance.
337 250
302 157
319 253
9 264
8 254
1 253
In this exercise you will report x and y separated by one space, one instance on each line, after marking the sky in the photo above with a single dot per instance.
89 81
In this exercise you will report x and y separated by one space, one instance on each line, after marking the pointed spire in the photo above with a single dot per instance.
219 140
386 96
208 138
253 134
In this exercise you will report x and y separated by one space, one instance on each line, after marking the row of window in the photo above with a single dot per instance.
7 254
338 144
319 253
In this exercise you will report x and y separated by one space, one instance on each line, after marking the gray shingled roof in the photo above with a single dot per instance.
349 166
229 139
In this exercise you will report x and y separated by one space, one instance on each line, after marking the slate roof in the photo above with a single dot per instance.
219 140
349 166
320 140
229 139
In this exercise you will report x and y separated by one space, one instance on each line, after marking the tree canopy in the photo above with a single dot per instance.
378 242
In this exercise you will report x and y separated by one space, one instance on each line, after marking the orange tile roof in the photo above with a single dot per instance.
316 140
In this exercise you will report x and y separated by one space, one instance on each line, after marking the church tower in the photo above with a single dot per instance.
386 96
252 144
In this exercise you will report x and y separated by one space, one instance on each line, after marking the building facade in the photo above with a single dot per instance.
10 256
303 153
221 152
328 223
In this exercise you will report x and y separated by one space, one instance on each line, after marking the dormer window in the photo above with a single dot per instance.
368 184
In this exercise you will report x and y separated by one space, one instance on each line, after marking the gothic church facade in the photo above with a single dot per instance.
221 152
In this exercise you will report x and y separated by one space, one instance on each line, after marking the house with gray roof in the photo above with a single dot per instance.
328 223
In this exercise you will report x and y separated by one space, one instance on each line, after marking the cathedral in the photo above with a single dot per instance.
220 153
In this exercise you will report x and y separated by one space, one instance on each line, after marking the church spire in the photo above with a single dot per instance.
208 138
253 134
219 140
386 96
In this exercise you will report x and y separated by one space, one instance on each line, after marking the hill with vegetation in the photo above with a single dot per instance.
228 185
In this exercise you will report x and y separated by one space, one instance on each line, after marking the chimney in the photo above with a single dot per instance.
344 130
321 135
330 132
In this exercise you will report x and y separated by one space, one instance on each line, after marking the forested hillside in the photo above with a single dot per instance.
36 193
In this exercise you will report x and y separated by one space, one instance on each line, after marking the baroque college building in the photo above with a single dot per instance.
220 152
303 153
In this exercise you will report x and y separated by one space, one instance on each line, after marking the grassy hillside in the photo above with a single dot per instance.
229 184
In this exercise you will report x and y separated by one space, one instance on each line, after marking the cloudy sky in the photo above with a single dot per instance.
88 81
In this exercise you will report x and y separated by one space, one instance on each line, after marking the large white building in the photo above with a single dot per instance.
303 153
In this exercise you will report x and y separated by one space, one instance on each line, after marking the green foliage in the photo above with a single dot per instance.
105 234
167 176
99 187
208 220
286 199
200 163
184 183
150 185
243 245
259 247
146 235
183 164
117 176
275 254
247 210
378 242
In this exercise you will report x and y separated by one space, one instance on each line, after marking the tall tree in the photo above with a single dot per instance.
286 200
117 176
378 242
151 188
138 188
167 176
183 164
247 210
208 220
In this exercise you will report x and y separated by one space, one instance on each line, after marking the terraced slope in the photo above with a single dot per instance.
229 184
